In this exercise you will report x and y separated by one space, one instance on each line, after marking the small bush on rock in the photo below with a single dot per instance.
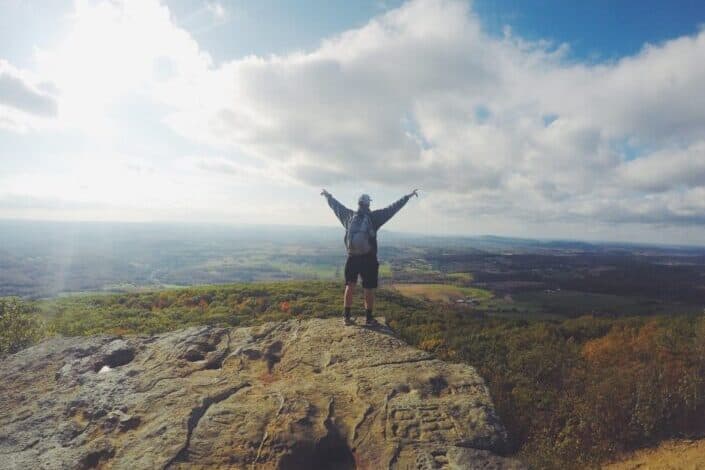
19 325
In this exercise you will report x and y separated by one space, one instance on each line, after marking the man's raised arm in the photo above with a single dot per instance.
382 216
342 212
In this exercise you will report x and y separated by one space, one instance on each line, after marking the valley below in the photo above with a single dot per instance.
588 352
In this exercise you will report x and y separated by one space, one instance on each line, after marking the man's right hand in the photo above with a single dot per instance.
325 193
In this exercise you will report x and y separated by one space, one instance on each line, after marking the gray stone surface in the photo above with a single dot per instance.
297 394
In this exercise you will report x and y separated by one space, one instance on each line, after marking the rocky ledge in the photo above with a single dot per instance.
291 395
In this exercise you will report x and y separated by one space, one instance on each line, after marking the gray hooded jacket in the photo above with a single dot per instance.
378 217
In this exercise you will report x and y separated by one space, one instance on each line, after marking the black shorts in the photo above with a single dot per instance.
365 266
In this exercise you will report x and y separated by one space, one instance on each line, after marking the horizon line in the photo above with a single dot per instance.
546 240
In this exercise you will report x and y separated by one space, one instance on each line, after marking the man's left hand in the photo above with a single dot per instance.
415 192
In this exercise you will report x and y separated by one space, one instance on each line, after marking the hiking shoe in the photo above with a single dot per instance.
348 321
371 321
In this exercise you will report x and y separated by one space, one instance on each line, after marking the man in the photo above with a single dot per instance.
361 242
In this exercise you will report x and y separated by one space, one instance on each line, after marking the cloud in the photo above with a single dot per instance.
226 166
115 52
421 95
16 91
666 169
217 10
31 202
24 101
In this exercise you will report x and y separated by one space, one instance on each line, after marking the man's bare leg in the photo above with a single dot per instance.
348 297
369 303
347 301
369 299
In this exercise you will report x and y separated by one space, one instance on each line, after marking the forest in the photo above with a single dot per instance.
572 391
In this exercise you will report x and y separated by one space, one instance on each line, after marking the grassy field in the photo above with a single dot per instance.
444 292
461 277
385 270
313 270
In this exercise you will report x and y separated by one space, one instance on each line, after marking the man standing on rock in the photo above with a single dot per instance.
361 242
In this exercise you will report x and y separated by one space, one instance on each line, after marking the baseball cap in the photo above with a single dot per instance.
364 199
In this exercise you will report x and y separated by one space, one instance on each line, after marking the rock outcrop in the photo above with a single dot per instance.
291 395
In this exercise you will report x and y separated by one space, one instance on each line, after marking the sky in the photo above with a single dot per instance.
548 119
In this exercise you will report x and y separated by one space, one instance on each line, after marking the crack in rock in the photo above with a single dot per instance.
405 361
195 417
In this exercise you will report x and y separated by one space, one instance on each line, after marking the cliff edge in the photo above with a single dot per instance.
290 395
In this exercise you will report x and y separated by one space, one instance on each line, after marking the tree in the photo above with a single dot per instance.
19 325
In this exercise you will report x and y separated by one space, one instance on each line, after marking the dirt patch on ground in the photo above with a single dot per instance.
442 292
669 455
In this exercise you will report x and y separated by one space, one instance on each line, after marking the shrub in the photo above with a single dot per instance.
19 325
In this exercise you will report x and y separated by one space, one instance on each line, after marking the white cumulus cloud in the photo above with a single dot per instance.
420 96
24 100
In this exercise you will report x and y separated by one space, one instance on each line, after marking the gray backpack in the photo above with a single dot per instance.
360 233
